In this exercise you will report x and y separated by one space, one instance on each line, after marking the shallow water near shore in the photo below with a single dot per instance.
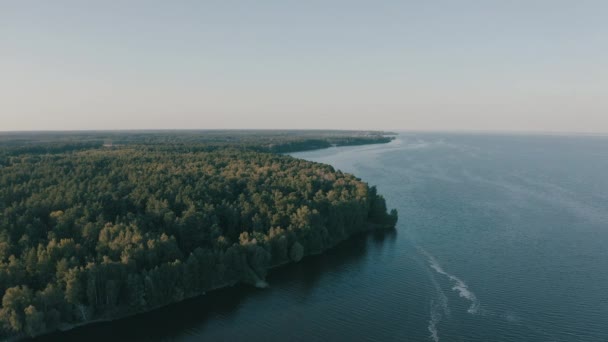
500 238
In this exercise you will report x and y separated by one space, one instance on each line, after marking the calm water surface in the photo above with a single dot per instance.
500 238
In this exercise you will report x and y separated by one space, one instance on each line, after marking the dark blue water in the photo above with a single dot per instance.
500 238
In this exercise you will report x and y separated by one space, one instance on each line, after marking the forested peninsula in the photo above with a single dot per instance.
101 225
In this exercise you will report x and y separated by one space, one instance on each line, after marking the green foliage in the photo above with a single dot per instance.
34 321
89 233
14 302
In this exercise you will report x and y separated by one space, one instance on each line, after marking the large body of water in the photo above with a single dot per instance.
500 238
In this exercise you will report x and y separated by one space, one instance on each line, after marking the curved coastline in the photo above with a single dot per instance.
211 291
259 282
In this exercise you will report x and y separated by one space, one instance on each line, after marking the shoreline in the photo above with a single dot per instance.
261 283
68 327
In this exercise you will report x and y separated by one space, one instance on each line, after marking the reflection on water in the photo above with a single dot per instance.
221 307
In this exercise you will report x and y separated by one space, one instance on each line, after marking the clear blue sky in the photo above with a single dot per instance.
423 65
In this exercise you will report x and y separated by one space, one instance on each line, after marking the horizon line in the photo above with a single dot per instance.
399 130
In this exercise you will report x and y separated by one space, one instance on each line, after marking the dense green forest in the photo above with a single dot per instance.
90 232
279 141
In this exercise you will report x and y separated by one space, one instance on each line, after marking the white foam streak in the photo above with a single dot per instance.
437 308
458 285
435 319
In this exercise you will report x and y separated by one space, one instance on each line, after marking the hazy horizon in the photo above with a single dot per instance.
397 131
472 66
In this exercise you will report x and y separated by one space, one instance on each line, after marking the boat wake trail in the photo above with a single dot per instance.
458 285
434 321
438 309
